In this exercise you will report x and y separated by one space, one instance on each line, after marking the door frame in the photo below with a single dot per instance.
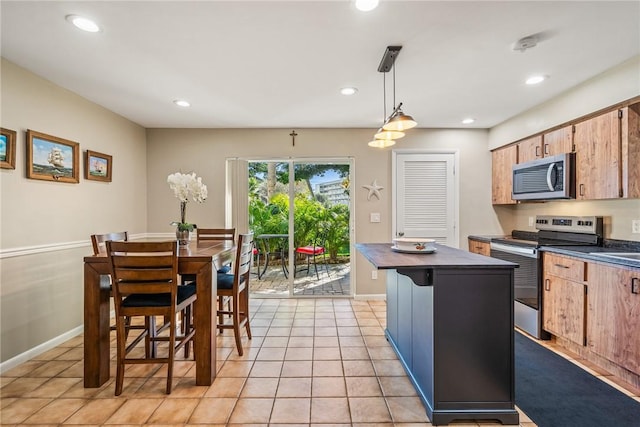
456 186
232 191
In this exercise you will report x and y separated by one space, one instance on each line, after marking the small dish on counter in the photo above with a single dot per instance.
414 245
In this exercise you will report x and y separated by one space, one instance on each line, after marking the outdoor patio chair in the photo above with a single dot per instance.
313 251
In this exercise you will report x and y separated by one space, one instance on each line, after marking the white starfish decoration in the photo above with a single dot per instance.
374 189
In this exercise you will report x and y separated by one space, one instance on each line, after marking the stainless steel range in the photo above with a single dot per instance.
523 248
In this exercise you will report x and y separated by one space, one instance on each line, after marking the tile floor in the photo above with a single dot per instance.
310 362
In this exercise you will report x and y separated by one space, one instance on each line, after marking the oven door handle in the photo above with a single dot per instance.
516 250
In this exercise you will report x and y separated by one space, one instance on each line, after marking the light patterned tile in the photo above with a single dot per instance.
174 411
369 410
21 409
299 353
294 410
250 411
297 368
358 368
260 387
96 411
294 387
407 409
326 353
363 387
266 369
330 410
135 411
225 387
397 386
212 410
327 368
328 387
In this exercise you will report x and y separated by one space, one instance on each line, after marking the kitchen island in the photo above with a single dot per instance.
450 321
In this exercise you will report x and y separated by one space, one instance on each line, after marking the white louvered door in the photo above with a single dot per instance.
426 196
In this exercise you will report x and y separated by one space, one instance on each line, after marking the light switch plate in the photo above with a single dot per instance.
375 217
635 226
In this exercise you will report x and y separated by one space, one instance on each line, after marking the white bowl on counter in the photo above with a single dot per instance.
414 244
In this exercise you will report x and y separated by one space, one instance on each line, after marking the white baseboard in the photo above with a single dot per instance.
38 350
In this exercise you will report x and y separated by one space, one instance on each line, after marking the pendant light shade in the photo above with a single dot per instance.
397 122
381 143
388 134
400 122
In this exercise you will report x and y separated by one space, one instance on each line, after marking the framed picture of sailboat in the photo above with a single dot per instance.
7 148
51 158
97 166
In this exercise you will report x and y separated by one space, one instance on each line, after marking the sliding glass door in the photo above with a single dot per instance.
300 212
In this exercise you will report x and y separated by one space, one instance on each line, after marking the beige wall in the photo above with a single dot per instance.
613 86
204 151
45 226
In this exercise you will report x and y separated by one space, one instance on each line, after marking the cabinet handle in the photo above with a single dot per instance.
546 149
547 284
582 189
538 151
635 286
561 266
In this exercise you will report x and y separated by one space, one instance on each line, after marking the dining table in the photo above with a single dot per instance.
196 258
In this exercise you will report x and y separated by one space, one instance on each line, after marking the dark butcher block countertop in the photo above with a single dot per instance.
383 258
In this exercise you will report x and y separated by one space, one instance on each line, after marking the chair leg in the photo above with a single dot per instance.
244 298
236 323
121 354
186 328
220 316
172 351
315 267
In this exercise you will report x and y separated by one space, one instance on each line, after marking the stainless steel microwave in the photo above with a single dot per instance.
545 179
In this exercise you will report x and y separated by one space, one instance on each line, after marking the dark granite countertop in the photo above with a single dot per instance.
592 253
382 257
485 238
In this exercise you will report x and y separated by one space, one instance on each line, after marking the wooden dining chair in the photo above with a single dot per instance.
217 234
236 287
145 284
213 234
98 241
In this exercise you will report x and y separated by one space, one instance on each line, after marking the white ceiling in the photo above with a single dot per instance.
267 64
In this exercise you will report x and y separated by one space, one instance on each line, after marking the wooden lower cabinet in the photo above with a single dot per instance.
613 317
479 247
564 300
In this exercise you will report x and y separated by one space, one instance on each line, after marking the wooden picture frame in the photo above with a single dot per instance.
50 158
97 166
7 148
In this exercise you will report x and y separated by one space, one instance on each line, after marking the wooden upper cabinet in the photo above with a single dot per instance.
559 141
631 151
613 317
530 149
598 157
502 161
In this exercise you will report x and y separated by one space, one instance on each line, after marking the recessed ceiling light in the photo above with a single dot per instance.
468 121
83 23
348 90
182 103
534 80
366 5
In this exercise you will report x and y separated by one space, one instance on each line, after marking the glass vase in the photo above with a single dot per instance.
183 237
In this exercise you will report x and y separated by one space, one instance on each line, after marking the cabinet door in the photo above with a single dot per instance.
613 329
598 164
478 247
530 149
503 160
563 308
559 141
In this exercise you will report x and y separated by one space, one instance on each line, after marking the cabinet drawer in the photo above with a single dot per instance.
565 267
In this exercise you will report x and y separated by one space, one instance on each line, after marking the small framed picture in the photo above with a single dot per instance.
51 158
7 148
97 166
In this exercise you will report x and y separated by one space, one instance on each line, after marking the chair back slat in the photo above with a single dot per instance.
220 234
98 240
244 256
143 268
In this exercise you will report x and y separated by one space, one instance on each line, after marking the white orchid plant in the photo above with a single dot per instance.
186 187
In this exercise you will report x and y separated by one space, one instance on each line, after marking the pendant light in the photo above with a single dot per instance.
397 122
